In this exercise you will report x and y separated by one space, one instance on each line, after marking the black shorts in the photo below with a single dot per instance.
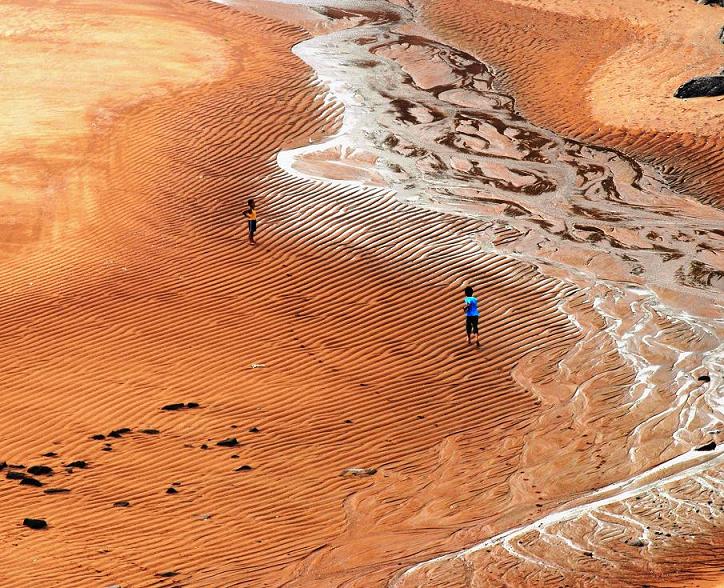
471 324
252 227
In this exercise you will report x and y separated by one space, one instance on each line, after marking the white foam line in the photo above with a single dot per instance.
708 462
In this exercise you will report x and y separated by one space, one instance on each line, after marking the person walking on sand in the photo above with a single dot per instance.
250 214
471 316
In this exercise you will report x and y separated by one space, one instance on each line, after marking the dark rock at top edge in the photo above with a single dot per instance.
711 446
705 86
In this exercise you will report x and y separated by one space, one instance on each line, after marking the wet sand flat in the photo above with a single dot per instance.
606 72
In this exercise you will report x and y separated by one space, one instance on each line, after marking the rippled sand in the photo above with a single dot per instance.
373 447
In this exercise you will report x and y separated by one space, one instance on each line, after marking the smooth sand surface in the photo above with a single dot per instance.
370 440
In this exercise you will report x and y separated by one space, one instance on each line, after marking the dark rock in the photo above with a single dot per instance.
244 468
118 433
176 406
235 456
230 442
711 2
28 481
167 574
204 446
106 448
175 483
56 491
122 503
348 421
98 437
15 475
254 430
40 470
35 523
711 446
700 87
704 378
150 431
638 543
16 466
50 454
234 426
80 464
588 553
171 490
3 465
192 405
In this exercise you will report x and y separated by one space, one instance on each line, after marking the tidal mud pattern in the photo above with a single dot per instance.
623 495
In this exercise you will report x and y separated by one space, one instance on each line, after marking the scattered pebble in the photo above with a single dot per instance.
588 553
80 464
204 446
638 543
244 468
171 490
56 491
3 465
28 481
180 406
230 442
122 503
254 430
359 472
348 421
40 470
255 366
167 574
35 523
150 431
235 456
704 378
176 406
98 437
118 433
50 454
107 448
16 475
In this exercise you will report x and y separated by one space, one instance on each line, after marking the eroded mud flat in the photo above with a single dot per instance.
611 457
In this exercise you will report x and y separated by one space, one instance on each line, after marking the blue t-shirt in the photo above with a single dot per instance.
472 309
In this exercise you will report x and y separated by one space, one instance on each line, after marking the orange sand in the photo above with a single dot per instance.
334 344
152 296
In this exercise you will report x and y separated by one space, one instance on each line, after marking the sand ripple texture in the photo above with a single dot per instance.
349 311
336 344
623 406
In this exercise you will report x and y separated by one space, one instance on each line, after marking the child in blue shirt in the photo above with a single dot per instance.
471 316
